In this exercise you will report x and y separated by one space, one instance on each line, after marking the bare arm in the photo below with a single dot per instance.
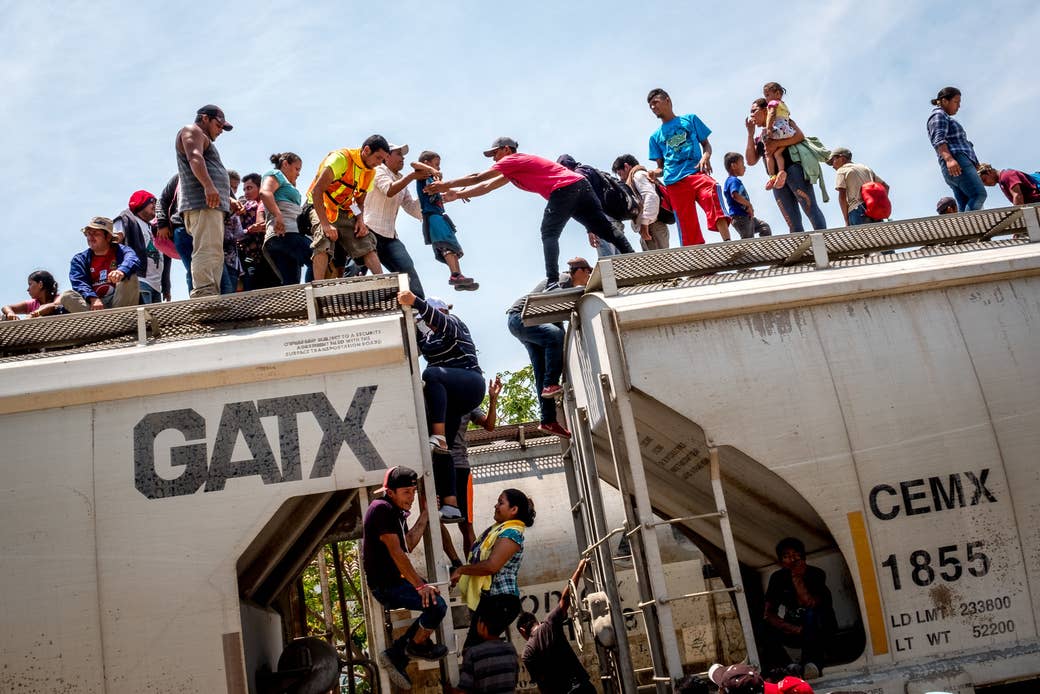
750 149
704 165
773 145
488 422
464 182
193 143
419 171
11 311
502 552
1017 196
268 187
318 196
654 174
483 188
415 533
565 597
743 202
843 203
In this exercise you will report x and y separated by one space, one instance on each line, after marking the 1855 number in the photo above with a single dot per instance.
948 564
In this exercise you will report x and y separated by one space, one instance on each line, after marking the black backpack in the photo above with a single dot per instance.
665 213
618 200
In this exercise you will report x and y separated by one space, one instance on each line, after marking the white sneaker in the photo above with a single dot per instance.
810 672
450 514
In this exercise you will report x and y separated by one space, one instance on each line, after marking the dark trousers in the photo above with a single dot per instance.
797 192
395 258
290 254
450 393
403 595
578 202
818 626
544 345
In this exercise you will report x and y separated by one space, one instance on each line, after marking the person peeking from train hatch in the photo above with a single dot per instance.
798 612
453 385
489 579
386 542
463 477
548 655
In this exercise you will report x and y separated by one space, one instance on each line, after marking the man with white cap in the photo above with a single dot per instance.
104 275
390 193
568 196
386 542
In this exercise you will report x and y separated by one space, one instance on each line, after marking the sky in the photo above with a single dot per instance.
94 94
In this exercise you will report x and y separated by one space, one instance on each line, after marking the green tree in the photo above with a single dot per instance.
518 402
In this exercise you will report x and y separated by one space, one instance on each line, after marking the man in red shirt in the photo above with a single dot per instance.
1019 187
104 275
568 196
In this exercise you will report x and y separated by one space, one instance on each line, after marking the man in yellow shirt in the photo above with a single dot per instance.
336 200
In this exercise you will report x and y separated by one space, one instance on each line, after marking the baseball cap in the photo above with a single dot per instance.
101 223
736 679
399 477
500 142
840 152
567 161
214 111
579 263
789 685
944 203
437 303
139 199
403 148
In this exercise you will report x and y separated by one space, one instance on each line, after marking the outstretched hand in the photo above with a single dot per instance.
436 187
495 386
406 298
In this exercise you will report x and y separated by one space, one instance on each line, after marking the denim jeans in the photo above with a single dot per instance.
290 254
575 201
394 256
185 246
798 192
968 189
402 595
229 280
149 295
858 215
544 344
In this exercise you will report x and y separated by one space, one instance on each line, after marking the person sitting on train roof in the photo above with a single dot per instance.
744 679
798 611
1019 187
42 301
104 275
548 655
386 541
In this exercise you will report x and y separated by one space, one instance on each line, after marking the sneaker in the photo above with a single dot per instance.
471 287
396 668
439 444
427 650
551 286
553 391
556 429
810 672
450 514
459 280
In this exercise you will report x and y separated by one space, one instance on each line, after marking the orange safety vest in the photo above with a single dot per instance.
343 191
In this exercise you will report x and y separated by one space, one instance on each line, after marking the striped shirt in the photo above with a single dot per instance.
945 130
490 667
448 343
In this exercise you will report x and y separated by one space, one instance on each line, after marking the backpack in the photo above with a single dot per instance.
875 200
618 200
1035 179
665 213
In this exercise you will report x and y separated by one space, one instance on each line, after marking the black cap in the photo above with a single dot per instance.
214 111
399 477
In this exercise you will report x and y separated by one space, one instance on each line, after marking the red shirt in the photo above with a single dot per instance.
534 174
789 685
100 266
1011 177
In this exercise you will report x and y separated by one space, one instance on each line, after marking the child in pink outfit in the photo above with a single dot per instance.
778 127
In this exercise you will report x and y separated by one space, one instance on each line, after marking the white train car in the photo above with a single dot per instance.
881 407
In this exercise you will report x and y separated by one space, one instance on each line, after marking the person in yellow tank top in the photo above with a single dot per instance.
336 200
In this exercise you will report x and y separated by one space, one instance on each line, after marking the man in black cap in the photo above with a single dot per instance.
946 205
386 541
568 196
204 194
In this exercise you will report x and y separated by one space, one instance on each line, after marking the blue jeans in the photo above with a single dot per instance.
149 295
290 254
544 344
858 215
184 245
229 280
798 192
968 190
402 595
395 258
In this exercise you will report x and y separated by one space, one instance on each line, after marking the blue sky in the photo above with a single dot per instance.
95 92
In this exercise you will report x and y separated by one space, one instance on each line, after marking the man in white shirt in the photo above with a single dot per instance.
390 192
133 227
653 233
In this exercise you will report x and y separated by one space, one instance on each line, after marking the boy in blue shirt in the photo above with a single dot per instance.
741 212
438 229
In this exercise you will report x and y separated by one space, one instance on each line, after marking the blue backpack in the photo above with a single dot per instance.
1035 178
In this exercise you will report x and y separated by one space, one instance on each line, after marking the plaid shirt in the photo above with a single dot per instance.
944 130
504 580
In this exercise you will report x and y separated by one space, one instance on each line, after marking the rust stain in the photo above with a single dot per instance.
943 597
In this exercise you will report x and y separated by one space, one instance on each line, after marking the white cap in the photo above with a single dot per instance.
403 148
